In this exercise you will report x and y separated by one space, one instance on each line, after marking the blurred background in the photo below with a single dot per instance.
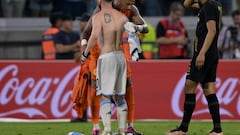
33 88
22 22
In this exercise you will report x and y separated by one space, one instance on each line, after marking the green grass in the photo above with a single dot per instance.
148 128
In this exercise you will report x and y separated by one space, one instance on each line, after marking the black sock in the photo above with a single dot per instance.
213 106
189 106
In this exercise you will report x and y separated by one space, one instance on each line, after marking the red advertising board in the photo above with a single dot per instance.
41 90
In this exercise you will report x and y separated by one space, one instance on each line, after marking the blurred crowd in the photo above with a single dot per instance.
43 8
168 40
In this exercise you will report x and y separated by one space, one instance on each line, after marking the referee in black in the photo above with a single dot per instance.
203 66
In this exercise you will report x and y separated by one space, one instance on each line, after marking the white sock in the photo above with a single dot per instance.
130 124
96 126
122 115
106 115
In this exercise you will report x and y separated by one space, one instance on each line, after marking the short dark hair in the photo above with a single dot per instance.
235 13
67 17
54 17
176 6
108 0
84 17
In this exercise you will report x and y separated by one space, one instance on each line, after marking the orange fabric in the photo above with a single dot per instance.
94 54
172 30
48 46
126 51
127 13
126 47
95 106
94 99
147 55
130 103
81 88
129 71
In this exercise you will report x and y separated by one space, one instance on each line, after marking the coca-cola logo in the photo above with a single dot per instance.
30 94
226 90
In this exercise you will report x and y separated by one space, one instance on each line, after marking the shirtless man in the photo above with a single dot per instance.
126 7
107 30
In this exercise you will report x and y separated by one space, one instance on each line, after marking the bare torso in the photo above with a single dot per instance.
135 17
110 36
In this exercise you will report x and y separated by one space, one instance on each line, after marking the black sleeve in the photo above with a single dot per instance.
160 30
57 38
211 12
77 34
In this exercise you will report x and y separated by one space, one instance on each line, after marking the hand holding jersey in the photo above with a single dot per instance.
134 45
83 48
133 39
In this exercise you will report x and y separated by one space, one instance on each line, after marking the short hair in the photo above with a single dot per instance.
67 17
108 0
84 17
176 6
54 17
235 13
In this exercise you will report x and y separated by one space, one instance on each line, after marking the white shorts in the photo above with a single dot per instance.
111 74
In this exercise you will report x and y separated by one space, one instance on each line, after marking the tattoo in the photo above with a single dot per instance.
107 18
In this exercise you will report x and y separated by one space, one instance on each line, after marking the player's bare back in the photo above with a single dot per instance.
111 22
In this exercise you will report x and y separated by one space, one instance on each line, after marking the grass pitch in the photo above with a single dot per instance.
148 128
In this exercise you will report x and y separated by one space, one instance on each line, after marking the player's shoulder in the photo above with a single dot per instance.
96 15
60 32
134 10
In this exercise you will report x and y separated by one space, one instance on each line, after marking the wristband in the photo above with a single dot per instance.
141 27
84 57
84 42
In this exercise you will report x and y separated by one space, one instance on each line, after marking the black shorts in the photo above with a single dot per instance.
204 75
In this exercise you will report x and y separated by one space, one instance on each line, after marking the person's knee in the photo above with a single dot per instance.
120 102
105 100
190 87
208 88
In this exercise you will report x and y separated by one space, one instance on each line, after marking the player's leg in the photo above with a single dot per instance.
130 103
95 100
213 106
122 111
189 106
208 86
95 109
131 109
106 113
119 98
107 76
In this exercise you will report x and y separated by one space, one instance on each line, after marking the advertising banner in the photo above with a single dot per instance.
42 90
